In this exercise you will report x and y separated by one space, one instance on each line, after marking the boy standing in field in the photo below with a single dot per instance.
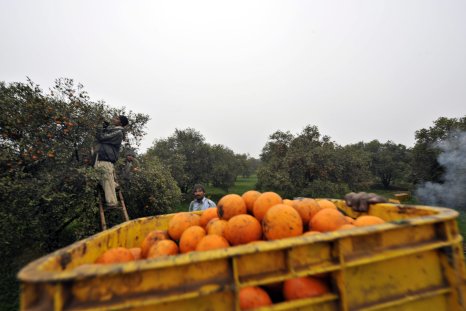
200 202
109 139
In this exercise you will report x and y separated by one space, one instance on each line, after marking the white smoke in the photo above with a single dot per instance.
452 192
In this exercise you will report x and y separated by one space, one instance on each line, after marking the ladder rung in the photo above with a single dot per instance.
103 208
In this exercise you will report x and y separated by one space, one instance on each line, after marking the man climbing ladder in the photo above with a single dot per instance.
109 139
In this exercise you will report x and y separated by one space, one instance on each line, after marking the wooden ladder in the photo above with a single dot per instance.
102 208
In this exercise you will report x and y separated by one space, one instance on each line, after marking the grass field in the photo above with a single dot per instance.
244 184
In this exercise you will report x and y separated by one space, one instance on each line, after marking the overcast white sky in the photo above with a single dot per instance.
238 71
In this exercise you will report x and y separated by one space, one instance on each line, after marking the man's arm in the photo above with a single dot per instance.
114 136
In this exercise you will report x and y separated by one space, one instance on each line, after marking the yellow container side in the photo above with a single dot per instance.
413 262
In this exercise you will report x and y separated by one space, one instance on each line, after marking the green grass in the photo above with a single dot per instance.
241 185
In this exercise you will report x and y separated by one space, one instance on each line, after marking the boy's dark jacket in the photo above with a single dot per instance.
109 141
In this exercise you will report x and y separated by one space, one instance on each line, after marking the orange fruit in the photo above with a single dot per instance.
306 208
288 202
303 287
264 202
311 232
181 222
190 238
349 220
249 198
152 238
346 227
281 221
242 229
324 203
115 255
313 205
163 248
210 223
136 251
212 242
207 215
217 226
367 220
327 219
253 297
231 205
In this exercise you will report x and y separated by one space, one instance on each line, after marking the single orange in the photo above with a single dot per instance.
368 220
327 219
281 221
115 255
190 238
231 205
242 229
207 215
346 227
163 248
249 198
264 202
324 203
303 287
136 251
217 226
152 238
212 241
180 222
253 297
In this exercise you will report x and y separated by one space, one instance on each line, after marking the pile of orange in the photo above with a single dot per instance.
238 220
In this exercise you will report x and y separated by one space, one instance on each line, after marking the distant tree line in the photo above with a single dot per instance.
309 164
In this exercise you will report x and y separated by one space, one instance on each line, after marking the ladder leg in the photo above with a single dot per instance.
123 206
103 224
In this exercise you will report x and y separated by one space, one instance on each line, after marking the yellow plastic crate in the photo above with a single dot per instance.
413 262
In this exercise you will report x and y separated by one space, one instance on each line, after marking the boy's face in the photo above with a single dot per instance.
198 194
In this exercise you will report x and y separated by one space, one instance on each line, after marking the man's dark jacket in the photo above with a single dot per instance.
110 140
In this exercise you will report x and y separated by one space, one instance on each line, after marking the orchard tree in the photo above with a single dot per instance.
242 165
389 162
186 155
310 165
272 174
225 167
426 150
46 142
252 164
246 164
150 190
47 183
